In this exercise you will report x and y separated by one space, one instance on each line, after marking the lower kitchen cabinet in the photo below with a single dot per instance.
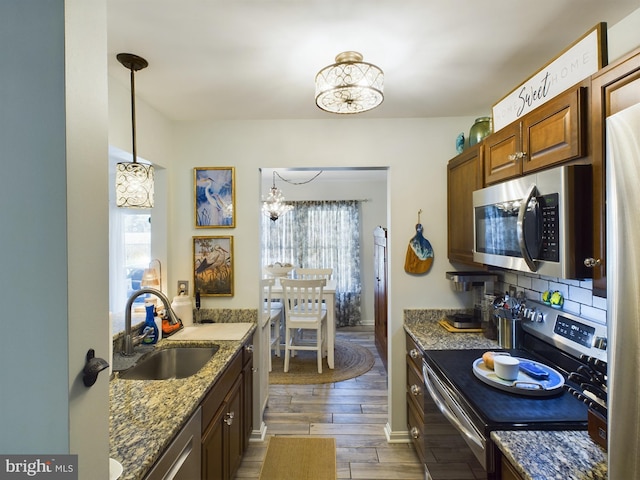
181 460
415 397
508 472
227 418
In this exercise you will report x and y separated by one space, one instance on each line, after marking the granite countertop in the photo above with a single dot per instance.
424 328
145 415
546 455
536 455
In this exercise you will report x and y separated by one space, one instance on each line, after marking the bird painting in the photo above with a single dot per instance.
214 197
213 269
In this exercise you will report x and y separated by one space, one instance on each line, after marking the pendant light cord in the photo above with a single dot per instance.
296 183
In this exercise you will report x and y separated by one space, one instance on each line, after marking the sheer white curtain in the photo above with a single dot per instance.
321 234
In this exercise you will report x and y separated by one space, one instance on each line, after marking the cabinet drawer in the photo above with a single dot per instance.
247 351
414 353
415 387
415 423
219 390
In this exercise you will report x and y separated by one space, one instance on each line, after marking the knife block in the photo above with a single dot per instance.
597 428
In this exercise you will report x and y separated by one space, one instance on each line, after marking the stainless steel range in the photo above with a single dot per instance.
572 346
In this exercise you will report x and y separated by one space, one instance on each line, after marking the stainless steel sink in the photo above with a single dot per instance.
177 362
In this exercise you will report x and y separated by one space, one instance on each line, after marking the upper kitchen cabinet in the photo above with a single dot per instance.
464 175
614 88
551 134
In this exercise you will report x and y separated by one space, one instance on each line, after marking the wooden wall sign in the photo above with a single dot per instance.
580 60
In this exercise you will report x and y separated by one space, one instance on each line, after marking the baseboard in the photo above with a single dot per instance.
259 435
367 323
396 437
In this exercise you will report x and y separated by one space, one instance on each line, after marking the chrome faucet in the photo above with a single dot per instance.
130 340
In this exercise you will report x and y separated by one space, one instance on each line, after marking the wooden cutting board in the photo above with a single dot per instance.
450 328
213 331
419 254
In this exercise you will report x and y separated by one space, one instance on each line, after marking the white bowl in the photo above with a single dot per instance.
506 367
278 270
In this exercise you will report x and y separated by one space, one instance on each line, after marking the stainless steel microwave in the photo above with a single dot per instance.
537 223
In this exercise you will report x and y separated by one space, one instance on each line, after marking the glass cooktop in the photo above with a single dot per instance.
497 409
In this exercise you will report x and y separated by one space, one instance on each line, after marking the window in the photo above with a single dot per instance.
321 234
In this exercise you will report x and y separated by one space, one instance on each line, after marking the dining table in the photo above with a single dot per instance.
329 297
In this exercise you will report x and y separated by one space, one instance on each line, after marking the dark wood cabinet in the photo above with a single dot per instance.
549 135
464 175
415 397
380 291
227 418
507 471
247 394
613 88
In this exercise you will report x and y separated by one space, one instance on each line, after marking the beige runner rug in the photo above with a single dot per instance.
300 458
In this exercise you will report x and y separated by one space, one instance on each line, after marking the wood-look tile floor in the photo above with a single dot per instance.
354 412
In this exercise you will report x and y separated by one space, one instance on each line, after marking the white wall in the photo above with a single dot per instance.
623 36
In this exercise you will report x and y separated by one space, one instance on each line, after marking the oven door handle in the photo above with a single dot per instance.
522 243
445 410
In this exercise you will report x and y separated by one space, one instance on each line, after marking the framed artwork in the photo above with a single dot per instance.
215 197
213 266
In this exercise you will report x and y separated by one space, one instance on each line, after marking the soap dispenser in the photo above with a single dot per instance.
150 329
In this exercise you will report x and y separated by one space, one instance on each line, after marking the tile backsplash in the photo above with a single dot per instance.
578 295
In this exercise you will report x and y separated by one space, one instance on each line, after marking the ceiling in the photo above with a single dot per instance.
257 59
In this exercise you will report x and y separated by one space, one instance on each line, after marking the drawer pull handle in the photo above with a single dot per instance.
416 390
229 419
415 433
517 156
414 353
592 262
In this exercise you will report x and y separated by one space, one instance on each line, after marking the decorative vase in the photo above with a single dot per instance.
480 129
460 143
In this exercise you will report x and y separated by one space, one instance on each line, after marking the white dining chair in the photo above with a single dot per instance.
314 273
303 311
271 319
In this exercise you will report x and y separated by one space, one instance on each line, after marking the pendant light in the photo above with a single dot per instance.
274 206
349 85
134 181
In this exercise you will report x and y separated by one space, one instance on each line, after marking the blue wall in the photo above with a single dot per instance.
33 243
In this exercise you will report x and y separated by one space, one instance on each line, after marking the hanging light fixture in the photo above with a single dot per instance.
274 206
134 181
349 85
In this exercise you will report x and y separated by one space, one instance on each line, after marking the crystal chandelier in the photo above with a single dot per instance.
274 206
134 181
349 85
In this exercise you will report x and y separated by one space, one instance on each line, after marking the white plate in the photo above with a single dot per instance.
115 469
524 384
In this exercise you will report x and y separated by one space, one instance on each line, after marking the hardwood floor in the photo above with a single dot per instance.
354 412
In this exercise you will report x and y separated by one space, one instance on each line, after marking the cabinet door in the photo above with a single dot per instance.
222 442
233 424
464 175
554 132
247 395
614 88
213 451
502 159
508 472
